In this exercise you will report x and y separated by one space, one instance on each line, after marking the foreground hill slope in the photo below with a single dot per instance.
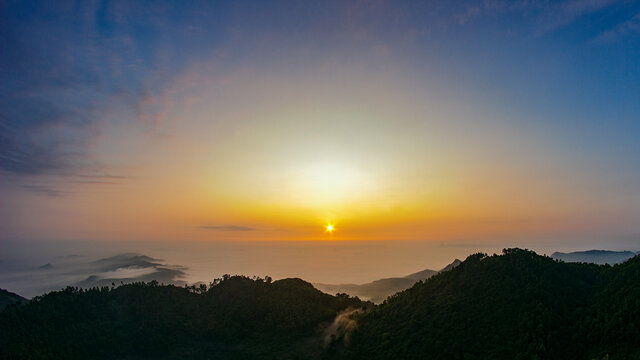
514 306
611 323
8 298
238 317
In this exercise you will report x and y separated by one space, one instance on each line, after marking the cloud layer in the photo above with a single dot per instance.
86 273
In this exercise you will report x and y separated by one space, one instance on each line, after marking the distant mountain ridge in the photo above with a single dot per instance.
378 290
600 257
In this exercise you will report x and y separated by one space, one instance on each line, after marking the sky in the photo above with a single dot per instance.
448 125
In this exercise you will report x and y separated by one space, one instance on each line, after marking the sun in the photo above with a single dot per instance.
329 228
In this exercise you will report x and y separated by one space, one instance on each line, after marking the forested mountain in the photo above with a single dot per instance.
9 298
514 306
236 318
595 256
378 290
517 305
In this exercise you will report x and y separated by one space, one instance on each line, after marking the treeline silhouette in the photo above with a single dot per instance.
517 305
235 317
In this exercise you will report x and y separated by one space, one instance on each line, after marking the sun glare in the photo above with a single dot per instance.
329 228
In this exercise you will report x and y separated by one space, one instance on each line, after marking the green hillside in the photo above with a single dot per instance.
518 305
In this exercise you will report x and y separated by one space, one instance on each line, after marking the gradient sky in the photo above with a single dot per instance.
259 121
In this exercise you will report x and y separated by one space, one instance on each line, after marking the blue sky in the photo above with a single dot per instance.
91 91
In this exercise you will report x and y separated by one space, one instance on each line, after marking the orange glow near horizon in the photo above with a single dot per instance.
283 169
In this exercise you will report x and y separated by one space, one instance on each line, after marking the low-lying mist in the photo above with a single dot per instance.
31 268
85 272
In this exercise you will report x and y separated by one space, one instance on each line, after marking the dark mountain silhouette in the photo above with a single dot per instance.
455 263
595 256
378 290
518 305
8 298
235 318
421 275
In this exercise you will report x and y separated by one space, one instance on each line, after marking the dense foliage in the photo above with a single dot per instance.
516 306
235 317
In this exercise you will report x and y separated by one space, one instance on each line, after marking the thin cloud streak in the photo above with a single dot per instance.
45 190
228 228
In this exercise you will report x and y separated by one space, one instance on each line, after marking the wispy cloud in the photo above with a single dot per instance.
62 83
565 13
63 184
99 179
627 28
45 190
228 228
